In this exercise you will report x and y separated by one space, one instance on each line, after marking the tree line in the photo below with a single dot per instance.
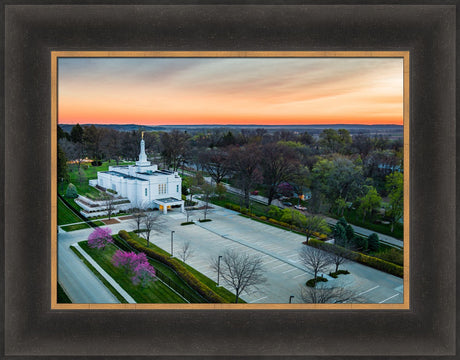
339 169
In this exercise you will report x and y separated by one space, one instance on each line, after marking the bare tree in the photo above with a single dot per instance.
314 259
186 251
337 258
323 294
244 163
207 190
240 271
109 203
215 161
148 223
138 214
188 212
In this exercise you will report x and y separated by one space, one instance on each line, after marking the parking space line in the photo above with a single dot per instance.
375 287
283 264
284 272
304 274
258 300
391 297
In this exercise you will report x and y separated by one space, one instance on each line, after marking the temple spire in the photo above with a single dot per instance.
142 155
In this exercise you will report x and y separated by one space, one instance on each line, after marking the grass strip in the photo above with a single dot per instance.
120 298
62 297
65 215
154 293
75 227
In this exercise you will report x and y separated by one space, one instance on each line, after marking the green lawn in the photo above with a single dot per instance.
75 227
255 207
156 292
229 296
65 215
90 172
62 297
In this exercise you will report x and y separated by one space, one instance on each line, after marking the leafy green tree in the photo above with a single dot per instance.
340 205
372 200
71 191
315 224
373 242
395 188
275 212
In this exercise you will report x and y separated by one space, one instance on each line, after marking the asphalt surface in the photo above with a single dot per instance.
277 248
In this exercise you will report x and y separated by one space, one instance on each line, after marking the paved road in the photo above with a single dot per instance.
79 283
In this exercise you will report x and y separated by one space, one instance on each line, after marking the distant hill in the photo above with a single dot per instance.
393 131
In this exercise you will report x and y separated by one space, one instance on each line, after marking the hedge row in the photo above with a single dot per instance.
271 220
180 269
371 261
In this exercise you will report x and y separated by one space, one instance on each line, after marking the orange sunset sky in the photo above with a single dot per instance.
269 91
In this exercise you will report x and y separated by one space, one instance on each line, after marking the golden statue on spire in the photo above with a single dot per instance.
143 135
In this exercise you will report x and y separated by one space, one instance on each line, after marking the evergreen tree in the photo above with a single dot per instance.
373 242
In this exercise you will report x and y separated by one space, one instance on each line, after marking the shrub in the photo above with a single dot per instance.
336 274
71 191
180 269
204 220
263 218
313 282
187 223
96 163
395 256
360 242
374 262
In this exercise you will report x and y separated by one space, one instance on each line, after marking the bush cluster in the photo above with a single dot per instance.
187 223
313 282
336 274
204 220
371 261
180 269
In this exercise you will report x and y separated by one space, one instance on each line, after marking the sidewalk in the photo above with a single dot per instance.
106 276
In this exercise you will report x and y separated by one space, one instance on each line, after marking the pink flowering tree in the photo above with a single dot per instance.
100 238
144 273
135 264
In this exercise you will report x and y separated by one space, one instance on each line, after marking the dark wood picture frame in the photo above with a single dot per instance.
31 328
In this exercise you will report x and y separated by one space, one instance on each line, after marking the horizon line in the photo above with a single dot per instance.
335 124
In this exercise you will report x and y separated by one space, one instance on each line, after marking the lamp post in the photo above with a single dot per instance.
218 268
290 298
172 239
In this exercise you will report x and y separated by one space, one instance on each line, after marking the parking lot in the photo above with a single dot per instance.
278 249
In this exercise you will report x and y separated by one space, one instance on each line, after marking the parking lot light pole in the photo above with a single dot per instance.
290 298
218 268
172 239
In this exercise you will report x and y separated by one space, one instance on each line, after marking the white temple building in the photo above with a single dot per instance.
143 184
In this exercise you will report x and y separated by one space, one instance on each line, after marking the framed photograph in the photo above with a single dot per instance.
154 153
260 130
